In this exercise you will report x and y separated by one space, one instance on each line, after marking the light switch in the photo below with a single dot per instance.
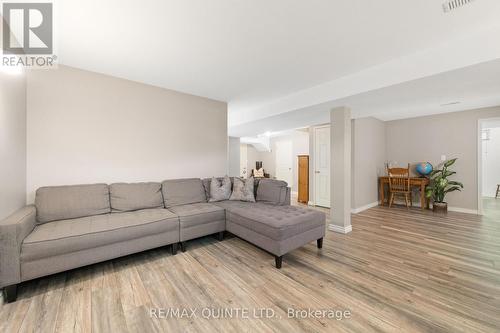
443 158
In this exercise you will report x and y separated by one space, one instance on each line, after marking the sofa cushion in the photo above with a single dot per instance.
198 213
73 201
272 191
178 192
128 197
65 236
275 222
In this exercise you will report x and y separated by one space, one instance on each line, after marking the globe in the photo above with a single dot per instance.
424 168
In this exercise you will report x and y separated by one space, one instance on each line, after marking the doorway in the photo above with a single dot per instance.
284 161
322 166
243 161
489 168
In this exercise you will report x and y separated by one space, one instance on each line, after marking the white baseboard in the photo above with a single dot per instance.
339 229
451 209
310 203
463 210
363 208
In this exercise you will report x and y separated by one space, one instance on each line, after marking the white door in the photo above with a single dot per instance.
284 161
322 166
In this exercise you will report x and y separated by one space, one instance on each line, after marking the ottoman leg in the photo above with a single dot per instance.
174 249
319 242
183 246
220 236
278 260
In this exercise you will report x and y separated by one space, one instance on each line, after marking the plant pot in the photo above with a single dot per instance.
440 207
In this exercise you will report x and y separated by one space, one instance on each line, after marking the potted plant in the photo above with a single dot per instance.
440 185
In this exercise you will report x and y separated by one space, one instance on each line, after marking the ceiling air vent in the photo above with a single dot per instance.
450 5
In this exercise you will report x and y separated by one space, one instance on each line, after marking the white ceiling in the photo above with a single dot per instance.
473 87
256 53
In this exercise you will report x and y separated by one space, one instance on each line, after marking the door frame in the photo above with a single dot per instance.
480 123
313 162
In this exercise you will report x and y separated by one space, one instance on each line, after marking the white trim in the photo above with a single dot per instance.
365 207
339 229
295 193
310 203
479 166
322 126
463 210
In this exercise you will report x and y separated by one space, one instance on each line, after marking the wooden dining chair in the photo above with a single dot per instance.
399 184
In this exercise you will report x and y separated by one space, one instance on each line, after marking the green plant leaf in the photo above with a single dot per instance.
449 163
440 185
434 172
452 189
443 182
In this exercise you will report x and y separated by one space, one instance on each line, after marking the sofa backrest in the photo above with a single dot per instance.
69 202
273 191
126 197
177 192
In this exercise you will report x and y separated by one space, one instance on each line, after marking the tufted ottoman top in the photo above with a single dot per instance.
276 222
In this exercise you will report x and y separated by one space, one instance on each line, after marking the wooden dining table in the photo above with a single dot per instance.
419 182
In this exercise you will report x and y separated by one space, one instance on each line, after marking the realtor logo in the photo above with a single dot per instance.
27 28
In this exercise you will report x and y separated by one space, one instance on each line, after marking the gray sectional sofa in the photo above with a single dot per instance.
78 225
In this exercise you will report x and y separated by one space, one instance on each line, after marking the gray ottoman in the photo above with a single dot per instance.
276 229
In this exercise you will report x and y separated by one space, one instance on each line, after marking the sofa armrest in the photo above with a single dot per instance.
288 196
13 230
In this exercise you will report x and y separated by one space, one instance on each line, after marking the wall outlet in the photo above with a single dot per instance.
443 158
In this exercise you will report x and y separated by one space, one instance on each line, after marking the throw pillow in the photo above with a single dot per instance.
259 173
218 191
243 190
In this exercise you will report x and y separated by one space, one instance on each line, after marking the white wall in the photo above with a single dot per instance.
234 157
368 160
12 143
84 127
243 160
491 163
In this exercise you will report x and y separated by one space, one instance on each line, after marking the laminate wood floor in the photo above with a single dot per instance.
491 208
398 271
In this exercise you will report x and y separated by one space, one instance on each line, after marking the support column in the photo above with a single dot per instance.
340 170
